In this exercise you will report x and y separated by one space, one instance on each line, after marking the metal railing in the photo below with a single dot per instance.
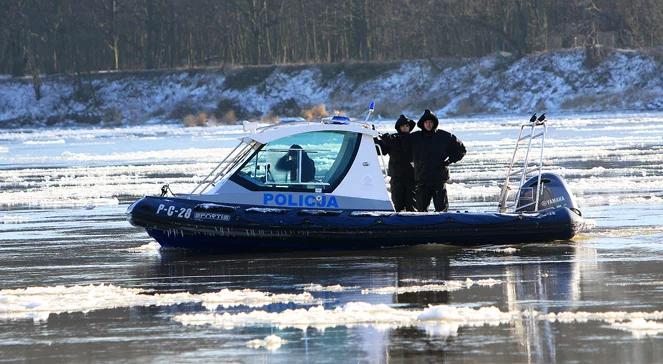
226 165
383 167
537 133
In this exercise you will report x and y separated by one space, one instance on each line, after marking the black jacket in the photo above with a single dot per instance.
399 150
433 151
400 155
290 162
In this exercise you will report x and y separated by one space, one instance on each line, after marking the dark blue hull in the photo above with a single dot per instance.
185 223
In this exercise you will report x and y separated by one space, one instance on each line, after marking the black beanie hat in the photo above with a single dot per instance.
294 148
428 115
402 120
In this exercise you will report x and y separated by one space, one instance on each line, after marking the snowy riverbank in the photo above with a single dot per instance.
556 81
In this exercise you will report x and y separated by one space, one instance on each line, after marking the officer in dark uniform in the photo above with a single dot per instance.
290 163
432 151
400 164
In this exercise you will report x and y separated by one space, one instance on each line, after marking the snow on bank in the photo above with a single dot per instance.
555 81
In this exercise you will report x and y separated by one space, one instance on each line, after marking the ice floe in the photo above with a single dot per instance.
271 342
439 320
102 166
356 313
13 219
508 250
36 142
39 302
444 286
640 328
151 248
312 287
607 316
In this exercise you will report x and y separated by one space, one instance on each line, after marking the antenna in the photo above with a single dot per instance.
371 108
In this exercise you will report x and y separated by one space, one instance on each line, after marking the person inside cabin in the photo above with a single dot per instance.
400 164
290 163
433 150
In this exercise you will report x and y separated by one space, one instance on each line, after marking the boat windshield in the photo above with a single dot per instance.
308 161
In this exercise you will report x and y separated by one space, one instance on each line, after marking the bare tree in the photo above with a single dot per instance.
79 36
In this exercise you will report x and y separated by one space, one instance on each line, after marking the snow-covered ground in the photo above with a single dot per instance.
555 81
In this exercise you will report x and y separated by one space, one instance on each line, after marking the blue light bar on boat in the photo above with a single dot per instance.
343 120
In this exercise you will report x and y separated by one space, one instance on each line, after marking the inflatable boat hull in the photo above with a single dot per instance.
185 223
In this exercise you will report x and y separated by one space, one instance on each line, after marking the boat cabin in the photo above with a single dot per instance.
331 164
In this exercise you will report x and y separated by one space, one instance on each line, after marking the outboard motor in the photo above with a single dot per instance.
555 194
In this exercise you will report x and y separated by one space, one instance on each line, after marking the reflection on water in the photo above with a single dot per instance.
555 284
540 279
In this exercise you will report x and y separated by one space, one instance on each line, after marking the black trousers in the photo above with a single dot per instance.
436 192
402 194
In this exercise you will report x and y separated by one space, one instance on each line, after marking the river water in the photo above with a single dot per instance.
79 284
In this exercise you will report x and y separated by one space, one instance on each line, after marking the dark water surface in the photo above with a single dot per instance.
79 284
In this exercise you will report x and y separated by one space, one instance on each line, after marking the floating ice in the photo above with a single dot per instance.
608 316
466 315
149 248
271 342
625 231
39 302
506 250
441 319
311 287
78 180
195 154
588 224
509 250
13 219
87 186
36 142
251 298
444 286
639 323
631 283
640 328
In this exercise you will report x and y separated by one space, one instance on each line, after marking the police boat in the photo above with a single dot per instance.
321 185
